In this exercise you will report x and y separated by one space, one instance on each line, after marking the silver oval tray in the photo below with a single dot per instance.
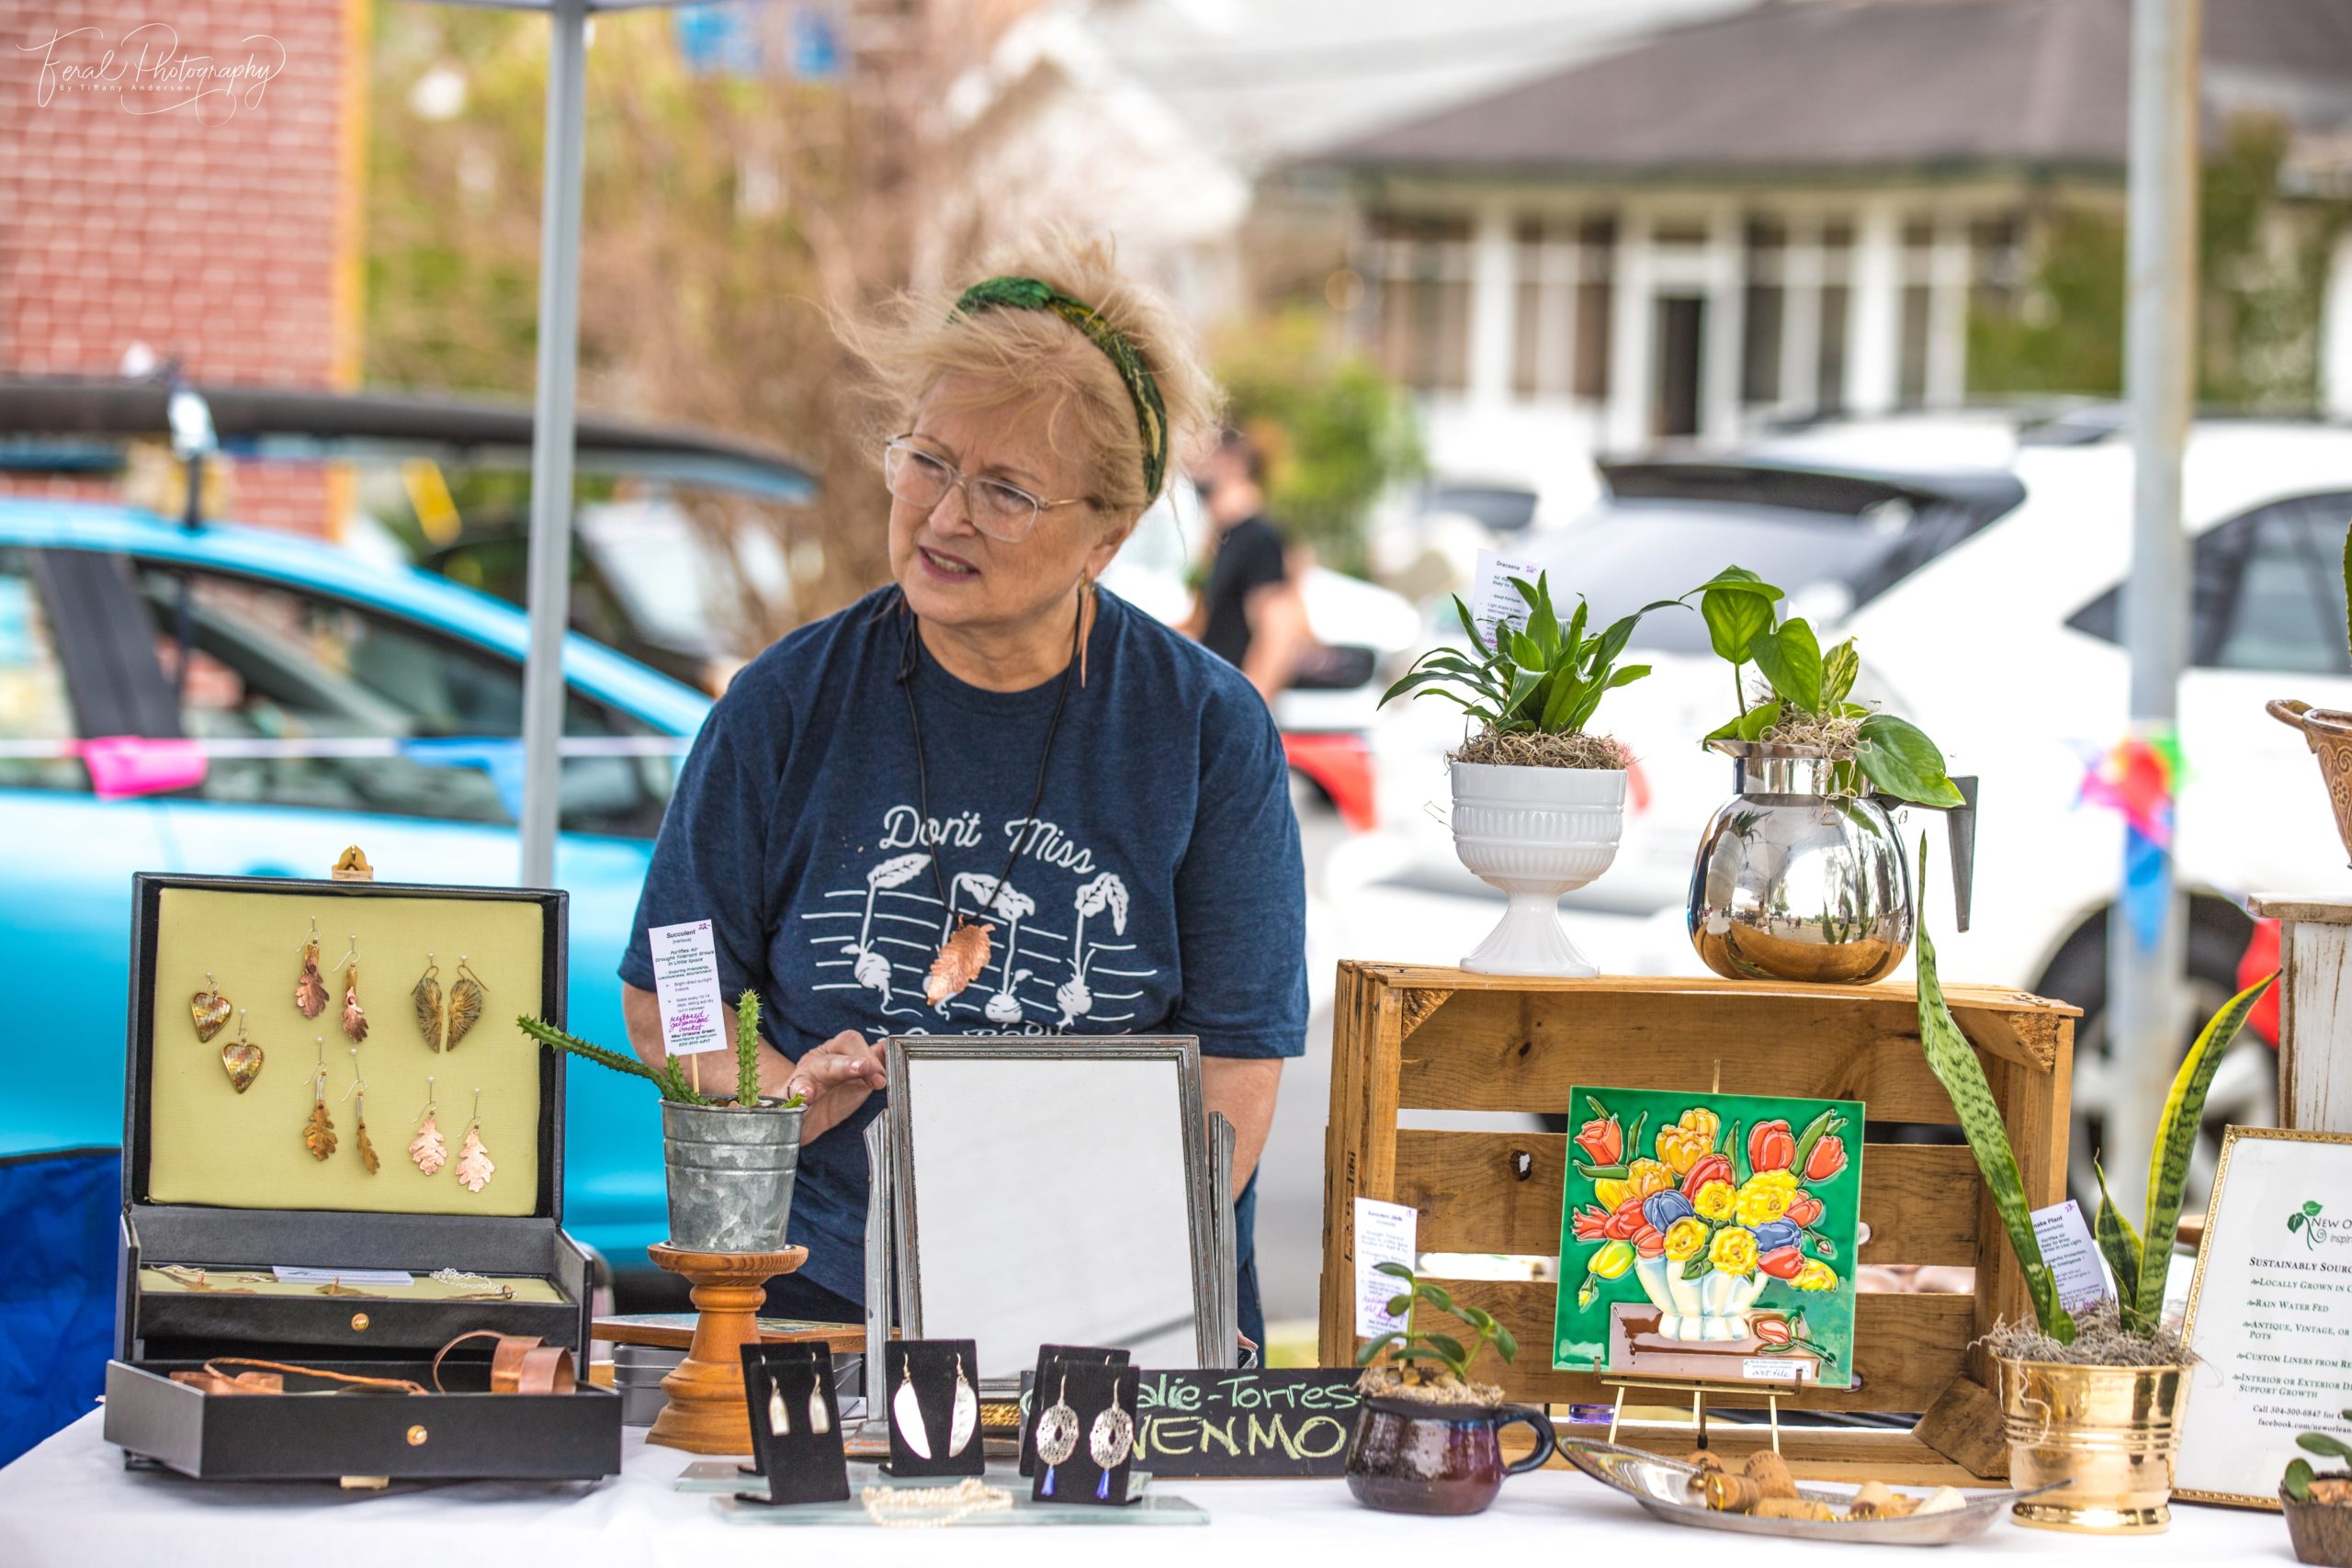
1662 1486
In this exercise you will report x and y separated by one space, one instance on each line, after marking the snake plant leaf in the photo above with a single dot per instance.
1954 1063
2119 1245
2177 1139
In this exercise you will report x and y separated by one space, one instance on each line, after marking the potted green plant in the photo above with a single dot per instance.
1538 801
2319 1508
1427 1439
730 1164
1801 874
2327 732
2094 1401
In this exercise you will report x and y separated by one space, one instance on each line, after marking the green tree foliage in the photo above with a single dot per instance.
1335 430
2260 284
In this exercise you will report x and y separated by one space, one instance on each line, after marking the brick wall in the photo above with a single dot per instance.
218 232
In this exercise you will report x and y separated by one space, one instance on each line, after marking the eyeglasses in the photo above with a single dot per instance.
1001 511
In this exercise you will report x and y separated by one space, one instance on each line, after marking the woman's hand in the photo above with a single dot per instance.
835 1077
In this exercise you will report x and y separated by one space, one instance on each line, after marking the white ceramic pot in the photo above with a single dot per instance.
1535 833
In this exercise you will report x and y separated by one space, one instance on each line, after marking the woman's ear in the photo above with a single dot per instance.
1115 533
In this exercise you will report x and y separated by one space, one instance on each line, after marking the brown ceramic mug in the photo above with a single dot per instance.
1409 1457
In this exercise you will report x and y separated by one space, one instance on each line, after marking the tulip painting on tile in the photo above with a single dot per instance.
1710 1236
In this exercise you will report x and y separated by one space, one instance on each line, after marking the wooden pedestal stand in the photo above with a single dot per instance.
2314 1009
706 1414
1411 1039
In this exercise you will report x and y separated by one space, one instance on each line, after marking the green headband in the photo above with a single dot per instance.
1151 415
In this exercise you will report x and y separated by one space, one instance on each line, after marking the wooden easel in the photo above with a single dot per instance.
1698 1392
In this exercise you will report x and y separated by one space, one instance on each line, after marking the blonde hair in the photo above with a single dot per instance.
1015 357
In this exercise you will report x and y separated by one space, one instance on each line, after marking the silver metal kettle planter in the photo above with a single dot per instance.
1801 874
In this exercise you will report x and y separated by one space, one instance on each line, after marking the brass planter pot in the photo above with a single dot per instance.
2112 1433
2329 735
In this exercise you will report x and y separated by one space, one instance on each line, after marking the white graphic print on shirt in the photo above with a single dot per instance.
880 936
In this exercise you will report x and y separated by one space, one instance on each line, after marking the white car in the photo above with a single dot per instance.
1986 607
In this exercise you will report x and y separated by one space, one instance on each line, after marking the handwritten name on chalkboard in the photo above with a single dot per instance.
1292 1421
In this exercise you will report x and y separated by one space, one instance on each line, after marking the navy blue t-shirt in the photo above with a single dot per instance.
1160 889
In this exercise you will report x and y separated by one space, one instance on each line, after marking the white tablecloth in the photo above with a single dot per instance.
70 1504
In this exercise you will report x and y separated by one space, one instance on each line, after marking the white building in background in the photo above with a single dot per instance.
1787 211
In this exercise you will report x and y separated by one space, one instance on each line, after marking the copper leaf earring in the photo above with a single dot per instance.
474 1170
355 1018
465 997
444 1024
426 995
427 1150
210 1009
309 990
241 1058
357 1095
318 1134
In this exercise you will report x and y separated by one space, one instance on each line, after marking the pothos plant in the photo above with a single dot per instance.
1424 1354
1810 689
669 1077
1545 677
2139 1280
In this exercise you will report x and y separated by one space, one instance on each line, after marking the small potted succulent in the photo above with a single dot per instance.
1801 874
2319 1508
1538 803
730 1164
1427 1439
2094 1400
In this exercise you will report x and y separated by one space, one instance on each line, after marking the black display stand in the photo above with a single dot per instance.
1095 1390
936 1371
796 1423
1039 1395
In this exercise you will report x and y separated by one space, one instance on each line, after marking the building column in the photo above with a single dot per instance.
1875 340
1948 316
1719 368
2335 334
1493 296
1800 318
1627 425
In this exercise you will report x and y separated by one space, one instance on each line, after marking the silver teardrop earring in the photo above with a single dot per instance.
818 1422
779 1419
966 1418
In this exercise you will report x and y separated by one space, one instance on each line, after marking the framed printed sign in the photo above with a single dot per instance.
1710 1237
2270 1313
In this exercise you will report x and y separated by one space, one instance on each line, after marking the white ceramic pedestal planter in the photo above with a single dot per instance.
1535 833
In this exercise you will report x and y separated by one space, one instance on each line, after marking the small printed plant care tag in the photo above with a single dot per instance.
1384 1235
685 981
2067 1247
1764 1369
1493 600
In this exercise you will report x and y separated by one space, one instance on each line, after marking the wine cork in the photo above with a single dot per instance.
1729 1493
1794 1508
1942 1500
1770 1473
1877 1500
1703 1459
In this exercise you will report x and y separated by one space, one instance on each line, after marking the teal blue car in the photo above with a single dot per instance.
224 700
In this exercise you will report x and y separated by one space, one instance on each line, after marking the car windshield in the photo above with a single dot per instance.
1625 554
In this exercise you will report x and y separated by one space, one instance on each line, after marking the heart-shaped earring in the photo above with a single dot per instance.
210 1009
241 1058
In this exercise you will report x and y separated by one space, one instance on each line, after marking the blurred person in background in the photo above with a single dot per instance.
1249 611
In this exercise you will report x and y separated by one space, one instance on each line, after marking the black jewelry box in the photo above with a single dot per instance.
222 1186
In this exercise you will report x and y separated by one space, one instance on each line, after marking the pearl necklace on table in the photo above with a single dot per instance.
932 1508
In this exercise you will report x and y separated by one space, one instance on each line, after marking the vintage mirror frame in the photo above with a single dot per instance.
1210 1281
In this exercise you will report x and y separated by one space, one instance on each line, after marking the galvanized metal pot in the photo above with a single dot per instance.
731 1170
1802 875
2111 1432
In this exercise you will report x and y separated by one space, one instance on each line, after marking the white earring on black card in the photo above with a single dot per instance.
818 1422
907 1411
966 1419
779 1419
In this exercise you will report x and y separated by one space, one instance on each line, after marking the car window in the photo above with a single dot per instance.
36 714
1625 554
308 701
2265 592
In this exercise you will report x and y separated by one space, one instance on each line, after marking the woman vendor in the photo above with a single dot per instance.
993 739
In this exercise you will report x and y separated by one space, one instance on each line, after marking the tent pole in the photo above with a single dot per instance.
2144 990
552 433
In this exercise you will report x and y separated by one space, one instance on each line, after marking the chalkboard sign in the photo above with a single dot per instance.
1211 1421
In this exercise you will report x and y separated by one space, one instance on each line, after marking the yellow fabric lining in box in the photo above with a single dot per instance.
208 1144
221 1279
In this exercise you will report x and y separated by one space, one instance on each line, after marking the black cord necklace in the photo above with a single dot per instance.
941 984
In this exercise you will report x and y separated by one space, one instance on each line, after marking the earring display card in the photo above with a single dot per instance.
933 1399
795 1425
1038 1398
1086 1434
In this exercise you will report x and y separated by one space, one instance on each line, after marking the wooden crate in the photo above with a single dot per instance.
1410 1038
2314 1009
